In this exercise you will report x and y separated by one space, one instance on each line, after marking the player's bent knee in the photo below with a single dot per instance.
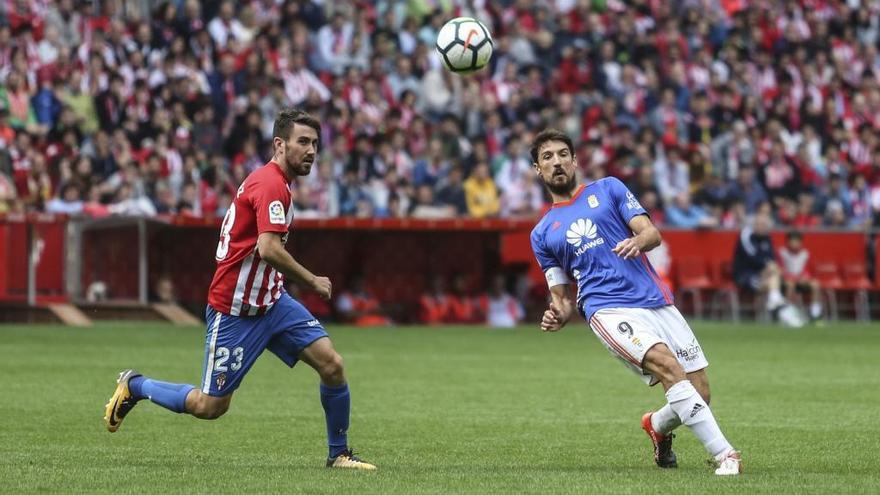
207 407
333 370
660 362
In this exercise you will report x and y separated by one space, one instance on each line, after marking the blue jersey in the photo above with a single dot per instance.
573 242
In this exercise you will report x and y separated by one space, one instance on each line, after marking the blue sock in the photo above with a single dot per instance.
134 386
337 405
171 396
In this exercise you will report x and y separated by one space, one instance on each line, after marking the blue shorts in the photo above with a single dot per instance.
234 343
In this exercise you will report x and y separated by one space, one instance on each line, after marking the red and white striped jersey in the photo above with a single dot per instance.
794 263
244 284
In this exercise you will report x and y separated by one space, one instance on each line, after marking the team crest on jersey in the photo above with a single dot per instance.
221 380
276 213
593 201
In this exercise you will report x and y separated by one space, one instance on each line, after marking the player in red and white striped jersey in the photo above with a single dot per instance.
244 284
248 309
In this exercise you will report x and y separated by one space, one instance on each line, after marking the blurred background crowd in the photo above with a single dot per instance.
710 110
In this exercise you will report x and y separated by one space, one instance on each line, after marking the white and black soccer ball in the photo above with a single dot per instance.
464 45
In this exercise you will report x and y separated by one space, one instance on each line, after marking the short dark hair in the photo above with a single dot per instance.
794 234
286 119
549 135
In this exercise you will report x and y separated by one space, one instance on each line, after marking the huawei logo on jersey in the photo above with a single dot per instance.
581 230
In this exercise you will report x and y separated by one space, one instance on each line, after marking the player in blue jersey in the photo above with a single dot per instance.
595 236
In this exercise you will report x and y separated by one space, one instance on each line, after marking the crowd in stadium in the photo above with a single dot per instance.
710 110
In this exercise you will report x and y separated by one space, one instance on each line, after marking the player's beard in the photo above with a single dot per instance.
297 167
561 188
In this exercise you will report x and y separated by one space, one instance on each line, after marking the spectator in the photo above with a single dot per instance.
15 99
748 189
433 167
334 43
426 206
463 306
163 291
7 194
672 174
299 82
684 214
794 259
434 303
225 26
502 310
523 197
451 192
779 175
481 194
754 267
358 306
68 202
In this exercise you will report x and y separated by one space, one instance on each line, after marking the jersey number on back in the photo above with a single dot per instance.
225 228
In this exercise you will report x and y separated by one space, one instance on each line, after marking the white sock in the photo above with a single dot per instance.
815 310
664 420
774 299
695 414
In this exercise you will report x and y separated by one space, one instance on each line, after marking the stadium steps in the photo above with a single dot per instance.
69 314
134 310
175 314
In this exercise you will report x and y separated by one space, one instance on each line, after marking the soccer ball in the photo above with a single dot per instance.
464 45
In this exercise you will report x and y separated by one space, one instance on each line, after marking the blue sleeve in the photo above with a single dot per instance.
545 258
625 201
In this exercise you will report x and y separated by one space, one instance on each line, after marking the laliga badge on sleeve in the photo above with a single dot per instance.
593 201
276 213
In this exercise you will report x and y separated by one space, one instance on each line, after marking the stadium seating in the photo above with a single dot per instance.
693 280
855 280
828 275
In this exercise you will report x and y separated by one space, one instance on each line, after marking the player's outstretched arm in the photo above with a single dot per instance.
560 310
646 238
272 251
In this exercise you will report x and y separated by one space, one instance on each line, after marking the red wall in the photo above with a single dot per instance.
712 246
396 256
49 232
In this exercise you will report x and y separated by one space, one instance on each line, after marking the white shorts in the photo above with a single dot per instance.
629 332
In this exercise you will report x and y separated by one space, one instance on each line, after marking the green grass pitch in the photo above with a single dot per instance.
441 410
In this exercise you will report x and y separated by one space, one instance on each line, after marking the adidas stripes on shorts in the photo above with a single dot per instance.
629 332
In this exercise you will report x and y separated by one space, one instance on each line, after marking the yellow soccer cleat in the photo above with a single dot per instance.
347 460
121 403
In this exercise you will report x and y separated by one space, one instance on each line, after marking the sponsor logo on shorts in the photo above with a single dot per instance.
691 352
221 380
313 323
637 342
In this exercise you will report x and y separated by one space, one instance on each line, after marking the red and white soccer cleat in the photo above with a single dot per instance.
663 454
